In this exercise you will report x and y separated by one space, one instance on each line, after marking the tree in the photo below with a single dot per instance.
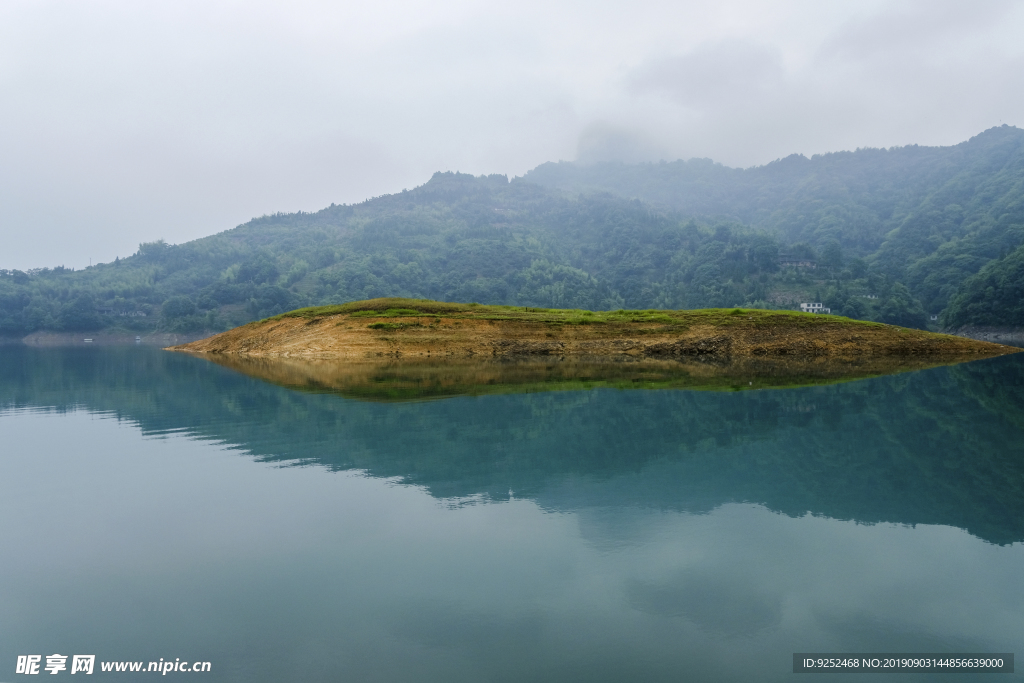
257 271
901 308
79 314
178 307
832 255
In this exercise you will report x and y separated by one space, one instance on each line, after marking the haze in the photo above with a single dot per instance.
123 122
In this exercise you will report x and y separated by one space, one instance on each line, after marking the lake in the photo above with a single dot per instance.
160 506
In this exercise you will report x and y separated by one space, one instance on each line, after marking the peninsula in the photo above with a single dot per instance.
393 328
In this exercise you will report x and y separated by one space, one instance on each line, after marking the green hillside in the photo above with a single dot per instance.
992 298
893 236
928 217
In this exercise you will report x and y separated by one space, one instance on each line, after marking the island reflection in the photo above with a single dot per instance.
939 446
411 380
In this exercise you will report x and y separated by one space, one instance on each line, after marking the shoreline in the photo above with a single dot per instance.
998 335
54 339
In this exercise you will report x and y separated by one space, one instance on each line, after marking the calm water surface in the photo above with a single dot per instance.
156 505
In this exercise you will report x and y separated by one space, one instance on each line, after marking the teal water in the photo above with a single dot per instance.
159 506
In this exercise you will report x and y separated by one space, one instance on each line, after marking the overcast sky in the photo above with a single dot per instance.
123 122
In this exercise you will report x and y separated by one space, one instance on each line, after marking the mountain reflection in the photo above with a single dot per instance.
939 446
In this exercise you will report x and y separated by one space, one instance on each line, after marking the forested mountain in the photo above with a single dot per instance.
891 235
457 237
992 298
928 217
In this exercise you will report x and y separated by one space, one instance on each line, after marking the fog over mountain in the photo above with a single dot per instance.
124 123
914 236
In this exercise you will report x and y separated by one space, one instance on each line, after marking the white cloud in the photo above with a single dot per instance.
724 74
122 122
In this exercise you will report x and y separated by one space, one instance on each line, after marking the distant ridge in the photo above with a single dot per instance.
887 235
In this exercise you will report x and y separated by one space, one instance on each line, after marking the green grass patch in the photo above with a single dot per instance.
393 326
393 307
387 313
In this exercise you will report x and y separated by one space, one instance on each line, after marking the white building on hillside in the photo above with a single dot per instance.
814 308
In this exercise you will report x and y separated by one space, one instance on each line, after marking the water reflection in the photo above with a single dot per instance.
418 380
715 602
544 536
940 446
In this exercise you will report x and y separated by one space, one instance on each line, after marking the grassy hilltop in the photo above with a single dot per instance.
396 307
413 328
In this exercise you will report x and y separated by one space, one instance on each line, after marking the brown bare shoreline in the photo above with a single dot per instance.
382 329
